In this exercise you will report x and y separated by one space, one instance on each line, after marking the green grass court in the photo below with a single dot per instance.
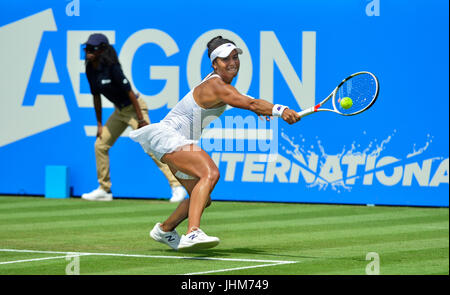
111 238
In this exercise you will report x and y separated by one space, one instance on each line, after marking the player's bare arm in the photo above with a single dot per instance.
226 93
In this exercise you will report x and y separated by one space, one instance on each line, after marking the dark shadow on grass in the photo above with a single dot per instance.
267 254
218 252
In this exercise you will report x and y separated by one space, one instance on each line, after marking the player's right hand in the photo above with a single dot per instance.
290 116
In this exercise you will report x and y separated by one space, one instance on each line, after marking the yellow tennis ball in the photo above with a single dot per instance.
346 103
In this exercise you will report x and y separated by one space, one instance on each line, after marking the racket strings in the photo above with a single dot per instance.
361 89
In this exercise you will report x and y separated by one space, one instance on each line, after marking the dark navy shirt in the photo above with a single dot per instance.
109 81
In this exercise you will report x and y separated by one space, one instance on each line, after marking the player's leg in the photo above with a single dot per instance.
165 232
197 163
182 211
195 238
130 116
178 192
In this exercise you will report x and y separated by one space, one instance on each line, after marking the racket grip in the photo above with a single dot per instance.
307 112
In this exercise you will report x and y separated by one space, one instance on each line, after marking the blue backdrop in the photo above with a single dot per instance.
295 53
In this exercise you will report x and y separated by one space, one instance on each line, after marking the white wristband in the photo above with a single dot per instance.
278 109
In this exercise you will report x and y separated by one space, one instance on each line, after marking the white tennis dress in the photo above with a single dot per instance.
182 126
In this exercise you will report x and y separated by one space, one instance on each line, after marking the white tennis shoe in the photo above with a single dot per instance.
197 240
171 238
97 195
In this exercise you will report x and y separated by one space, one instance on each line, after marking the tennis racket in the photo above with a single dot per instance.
361 87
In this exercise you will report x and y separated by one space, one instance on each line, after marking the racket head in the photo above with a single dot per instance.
362 88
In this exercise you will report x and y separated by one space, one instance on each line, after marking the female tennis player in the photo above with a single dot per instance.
174 139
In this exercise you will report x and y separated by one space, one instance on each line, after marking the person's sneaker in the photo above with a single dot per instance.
197 240
97 195
178 194
171 238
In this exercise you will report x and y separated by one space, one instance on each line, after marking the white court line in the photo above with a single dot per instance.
237 268
39 259
270 262
148 256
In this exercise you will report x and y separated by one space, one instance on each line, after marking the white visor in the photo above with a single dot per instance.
224 50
